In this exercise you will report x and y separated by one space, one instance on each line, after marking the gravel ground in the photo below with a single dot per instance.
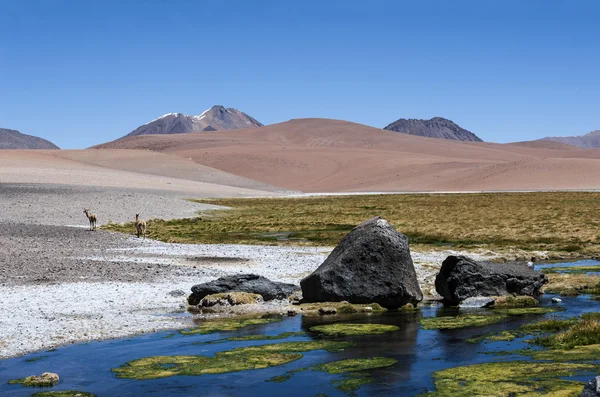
63 204
62 284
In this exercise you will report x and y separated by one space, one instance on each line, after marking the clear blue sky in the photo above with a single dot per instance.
85 72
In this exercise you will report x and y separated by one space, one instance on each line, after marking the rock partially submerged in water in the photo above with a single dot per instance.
44 380
592 388
251 283
461 278
372 263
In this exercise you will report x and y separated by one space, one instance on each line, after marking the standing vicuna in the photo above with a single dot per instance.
140 226
91 218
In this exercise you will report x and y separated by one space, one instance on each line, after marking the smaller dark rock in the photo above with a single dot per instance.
251 283
176 293
461 278
592 388
327 310
291 313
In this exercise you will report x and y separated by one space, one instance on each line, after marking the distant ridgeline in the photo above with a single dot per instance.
436 127
214 119
13 139
588 141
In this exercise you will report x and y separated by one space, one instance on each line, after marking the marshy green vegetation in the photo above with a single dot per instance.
572 270
480 320
461 321
510 379
254 337
229 324
346 329
509 301
572 284
62 393
239 359
564 223
522 311
352 369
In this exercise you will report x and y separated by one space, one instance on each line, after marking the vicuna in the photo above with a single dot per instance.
140 226
91 218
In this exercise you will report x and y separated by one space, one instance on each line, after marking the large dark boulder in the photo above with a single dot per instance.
251 283
461 278
592 388
372 263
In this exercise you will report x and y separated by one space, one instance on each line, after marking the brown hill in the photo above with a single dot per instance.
138 169
13 139
321 155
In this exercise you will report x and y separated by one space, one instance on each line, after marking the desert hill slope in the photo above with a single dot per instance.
588 141
322 155
216 118
13 139
138 169
437 127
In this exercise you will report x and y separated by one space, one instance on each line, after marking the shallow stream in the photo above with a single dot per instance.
419 353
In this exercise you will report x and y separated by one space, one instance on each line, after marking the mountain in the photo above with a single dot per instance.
587 141
13 139
436 127
321 155
214 119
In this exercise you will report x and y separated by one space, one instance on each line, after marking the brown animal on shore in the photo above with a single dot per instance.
140 226
91 218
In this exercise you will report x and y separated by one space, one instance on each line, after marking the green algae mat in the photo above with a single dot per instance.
480 320
346 329
510 379
62 393
239 359
353 371
232 324
463 321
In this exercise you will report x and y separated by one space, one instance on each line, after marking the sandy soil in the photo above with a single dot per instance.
319 155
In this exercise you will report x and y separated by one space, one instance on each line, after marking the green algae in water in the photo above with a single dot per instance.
453 322
34 359
352 369
165 366
353 382
346 329
579 353
517 378
356 364
503 336
284 335
231 324
239 359
255 337
62 393
572 269
550 325
521 311
293 347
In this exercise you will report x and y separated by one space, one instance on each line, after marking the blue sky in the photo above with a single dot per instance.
81 72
